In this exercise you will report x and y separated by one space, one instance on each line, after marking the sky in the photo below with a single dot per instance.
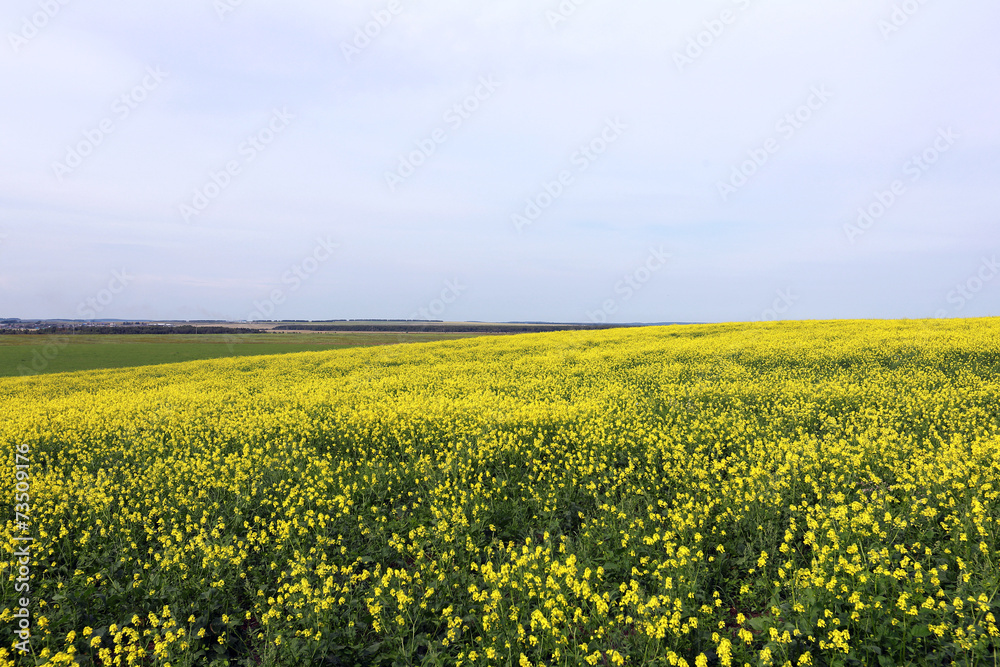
524 160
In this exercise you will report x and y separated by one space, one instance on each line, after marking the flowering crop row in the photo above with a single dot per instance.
796 493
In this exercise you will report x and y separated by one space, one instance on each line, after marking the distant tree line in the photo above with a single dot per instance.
374 319
133 329
448 328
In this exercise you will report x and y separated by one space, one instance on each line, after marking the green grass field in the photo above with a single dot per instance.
36 354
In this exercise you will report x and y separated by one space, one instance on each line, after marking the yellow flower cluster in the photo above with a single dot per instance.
716 494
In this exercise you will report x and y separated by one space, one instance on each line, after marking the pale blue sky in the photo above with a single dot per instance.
309 119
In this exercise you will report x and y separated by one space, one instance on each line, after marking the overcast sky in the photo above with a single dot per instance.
641 161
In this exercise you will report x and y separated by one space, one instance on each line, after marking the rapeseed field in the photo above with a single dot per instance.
820 493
